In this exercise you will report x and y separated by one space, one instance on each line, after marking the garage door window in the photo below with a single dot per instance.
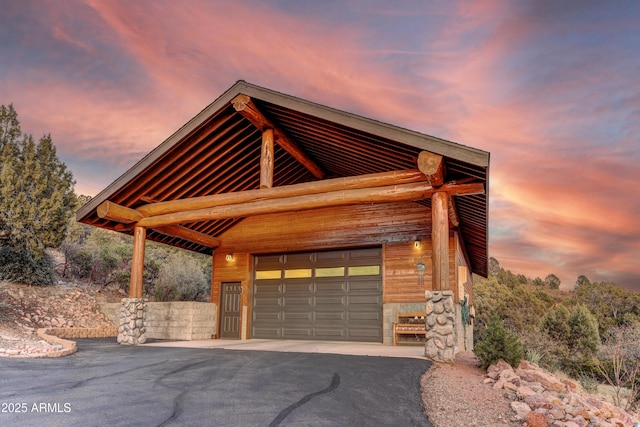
298 273
330 272
268 274
364 270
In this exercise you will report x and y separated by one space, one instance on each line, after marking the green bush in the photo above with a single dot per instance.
497 343
23 267
181 278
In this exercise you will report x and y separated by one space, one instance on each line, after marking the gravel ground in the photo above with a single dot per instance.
455 395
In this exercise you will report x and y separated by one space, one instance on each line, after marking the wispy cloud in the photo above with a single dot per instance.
550 88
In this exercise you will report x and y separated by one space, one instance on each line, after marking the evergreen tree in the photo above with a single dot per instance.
498 343
36 189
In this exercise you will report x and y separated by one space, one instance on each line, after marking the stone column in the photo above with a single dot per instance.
133 313
440 323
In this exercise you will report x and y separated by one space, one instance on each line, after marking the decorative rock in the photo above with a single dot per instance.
536 419
428 309
438 308
437 296
537 401
441 319
521 409
548 381
431 350
448 305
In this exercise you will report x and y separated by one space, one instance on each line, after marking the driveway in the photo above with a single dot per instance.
105 384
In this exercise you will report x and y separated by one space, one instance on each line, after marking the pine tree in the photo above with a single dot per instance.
36 189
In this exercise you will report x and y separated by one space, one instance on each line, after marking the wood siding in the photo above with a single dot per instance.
329 228
394 226
237 270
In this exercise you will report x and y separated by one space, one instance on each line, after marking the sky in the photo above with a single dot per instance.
550 88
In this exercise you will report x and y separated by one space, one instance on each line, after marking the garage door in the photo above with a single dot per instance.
334 295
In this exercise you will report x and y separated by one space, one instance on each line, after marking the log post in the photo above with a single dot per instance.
440 240
137 262
266 159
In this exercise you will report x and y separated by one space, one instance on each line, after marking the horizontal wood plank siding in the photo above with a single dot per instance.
401 275
237 270
328 228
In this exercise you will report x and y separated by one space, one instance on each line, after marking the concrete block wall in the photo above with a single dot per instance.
176 320
389 312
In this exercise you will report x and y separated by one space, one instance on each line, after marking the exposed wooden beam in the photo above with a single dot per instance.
394 193
245 106
432 166
114 212
440 240
266 159
315 193
179 232
316 187
190 235
454 218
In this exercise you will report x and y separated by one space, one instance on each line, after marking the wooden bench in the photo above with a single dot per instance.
409 325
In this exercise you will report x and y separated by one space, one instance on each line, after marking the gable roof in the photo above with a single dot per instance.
218 150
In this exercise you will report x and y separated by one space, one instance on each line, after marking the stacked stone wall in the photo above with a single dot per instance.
132 321
441 341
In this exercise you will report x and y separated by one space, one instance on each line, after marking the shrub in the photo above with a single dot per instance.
181 278
498 343
23 267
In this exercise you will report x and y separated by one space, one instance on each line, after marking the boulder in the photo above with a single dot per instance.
521 409
536 419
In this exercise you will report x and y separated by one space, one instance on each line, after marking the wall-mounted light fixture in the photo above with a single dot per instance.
229 257
416 244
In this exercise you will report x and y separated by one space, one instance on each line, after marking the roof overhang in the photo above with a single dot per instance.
216 152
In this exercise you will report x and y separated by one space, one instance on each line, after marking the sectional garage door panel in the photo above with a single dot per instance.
334 295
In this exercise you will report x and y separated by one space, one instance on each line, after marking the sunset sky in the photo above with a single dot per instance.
550 88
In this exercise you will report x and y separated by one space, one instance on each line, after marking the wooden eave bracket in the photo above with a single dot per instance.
246 107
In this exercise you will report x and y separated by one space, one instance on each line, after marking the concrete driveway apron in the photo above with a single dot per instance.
105 384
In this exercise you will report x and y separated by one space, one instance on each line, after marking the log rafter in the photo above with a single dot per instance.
247 108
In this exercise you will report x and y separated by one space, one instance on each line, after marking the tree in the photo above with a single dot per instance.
619 363
582 280
498 343
494 266
36 189
552 281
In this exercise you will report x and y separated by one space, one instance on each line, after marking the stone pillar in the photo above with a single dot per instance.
133 313
440 343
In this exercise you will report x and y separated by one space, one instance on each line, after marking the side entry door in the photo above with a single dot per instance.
230 316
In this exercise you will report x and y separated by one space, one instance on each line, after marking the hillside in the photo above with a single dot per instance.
25 308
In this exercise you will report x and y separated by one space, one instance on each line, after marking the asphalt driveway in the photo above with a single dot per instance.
105 384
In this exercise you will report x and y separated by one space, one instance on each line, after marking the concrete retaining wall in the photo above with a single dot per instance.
176 320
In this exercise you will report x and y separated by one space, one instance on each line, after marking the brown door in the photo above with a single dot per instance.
230 317
328 295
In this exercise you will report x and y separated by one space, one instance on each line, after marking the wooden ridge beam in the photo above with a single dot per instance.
315 187
245 106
